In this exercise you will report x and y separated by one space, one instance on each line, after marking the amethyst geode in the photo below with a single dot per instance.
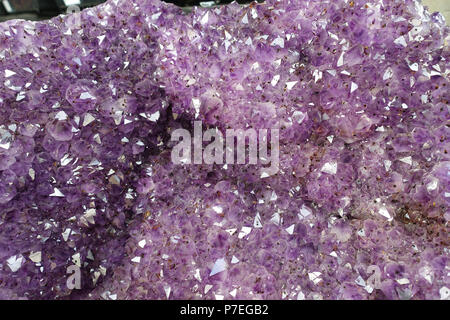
358 210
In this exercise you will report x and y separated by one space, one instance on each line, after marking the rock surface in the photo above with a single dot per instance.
358 210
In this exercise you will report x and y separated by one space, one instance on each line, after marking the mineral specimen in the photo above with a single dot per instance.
358 210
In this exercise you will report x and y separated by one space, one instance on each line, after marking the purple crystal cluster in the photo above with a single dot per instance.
358 210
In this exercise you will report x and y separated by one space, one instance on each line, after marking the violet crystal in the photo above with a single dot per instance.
358 210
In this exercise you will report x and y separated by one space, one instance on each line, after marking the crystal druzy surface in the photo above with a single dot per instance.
358 210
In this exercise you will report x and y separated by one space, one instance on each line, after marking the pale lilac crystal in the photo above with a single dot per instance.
358 210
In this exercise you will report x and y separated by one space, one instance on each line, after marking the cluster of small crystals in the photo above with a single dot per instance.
358 210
